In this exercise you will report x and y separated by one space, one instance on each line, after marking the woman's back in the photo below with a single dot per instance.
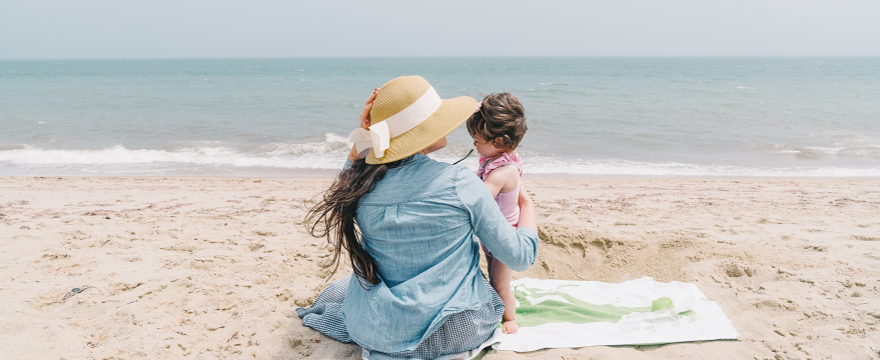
413 220
415 226
419 226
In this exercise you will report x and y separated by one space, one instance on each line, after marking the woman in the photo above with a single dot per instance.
410 225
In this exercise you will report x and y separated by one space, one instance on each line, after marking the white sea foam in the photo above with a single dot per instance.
324 155
820 151
330 154
542 165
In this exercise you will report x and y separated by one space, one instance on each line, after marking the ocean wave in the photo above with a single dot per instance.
12 147
543 165
864 151
323 155
815 152
329 154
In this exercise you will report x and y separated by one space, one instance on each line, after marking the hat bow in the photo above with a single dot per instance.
380 133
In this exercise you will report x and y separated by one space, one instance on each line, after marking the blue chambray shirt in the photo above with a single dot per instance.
420 224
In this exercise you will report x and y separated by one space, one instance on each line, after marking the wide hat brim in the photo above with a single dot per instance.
448 117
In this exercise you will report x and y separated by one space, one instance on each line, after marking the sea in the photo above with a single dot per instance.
587 117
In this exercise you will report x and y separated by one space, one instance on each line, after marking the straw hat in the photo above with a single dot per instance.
407 117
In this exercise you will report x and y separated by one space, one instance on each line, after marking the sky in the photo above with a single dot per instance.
101 29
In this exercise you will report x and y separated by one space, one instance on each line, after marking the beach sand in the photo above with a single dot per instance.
205 268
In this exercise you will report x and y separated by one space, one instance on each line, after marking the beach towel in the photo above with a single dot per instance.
568 314
571 314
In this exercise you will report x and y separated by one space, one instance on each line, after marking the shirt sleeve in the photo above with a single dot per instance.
516 248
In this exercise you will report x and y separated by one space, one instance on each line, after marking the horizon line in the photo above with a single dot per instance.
442 56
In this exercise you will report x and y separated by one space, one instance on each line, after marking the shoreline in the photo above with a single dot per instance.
205 267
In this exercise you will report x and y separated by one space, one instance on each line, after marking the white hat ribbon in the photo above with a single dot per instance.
380 134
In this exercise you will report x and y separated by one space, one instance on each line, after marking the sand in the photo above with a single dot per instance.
189 268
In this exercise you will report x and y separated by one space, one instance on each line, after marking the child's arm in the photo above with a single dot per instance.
503 179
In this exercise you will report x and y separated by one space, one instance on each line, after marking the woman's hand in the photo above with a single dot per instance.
526 209
523 194
365 114
364 123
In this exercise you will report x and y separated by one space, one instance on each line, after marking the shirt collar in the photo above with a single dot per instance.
418 158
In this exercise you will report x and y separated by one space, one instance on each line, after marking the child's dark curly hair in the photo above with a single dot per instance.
500 117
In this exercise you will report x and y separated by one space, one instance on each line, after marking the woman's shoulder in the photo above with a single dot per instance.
422 178
425 166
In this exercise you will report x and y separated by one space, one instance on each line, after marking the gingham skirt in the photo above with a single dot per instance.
462 331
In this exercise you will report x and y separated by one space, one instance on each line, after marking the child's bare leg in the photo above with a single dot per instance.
499 276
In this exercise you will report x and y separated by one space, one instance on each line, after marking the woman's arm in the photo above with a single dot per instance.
516 248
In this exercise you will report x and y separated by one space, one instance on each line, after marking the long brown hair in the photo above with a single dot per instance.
333 217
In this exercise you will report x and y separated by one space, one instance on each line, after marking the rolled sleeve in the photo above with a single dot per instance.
516 248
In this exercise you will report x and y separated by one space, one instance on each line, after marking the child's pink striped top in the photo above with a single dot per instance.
508 202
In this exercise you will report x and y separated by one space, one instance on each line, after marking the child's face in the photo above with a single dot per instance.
485 148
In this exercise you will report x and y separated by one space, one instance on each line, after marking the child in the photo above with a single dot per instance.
497 127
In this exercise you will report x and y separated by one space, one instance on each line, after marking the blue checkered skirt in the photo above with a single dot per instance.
462 331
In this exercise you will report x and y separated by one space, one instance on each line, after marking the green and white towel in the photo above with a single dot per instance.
568 314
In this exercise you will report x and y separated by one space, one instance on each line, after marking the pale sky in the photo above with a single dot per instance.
64 29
